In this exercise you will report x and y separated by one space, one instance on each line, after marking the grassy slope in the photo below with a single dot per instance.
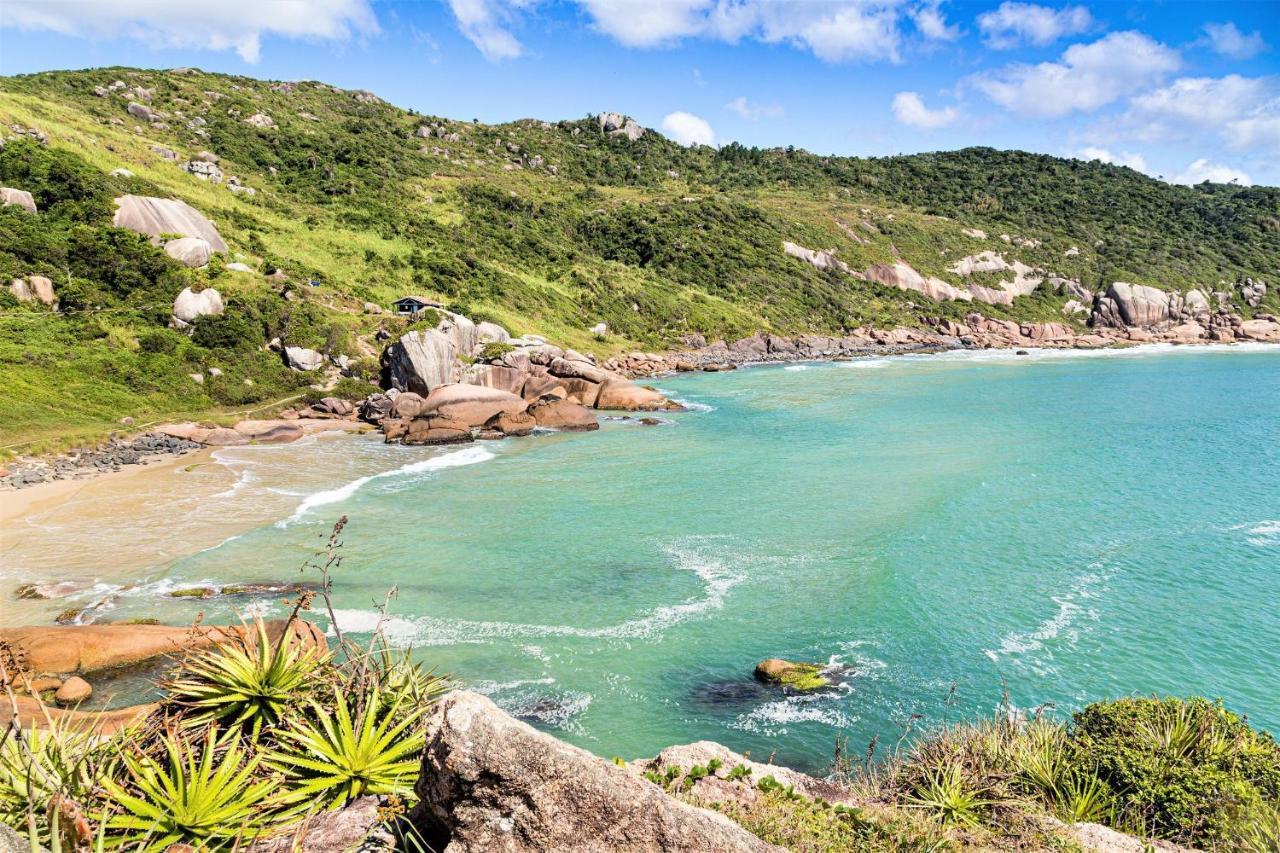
654 239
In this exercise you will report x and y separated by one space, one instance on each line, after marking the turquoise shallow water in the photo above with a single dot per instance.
1071 526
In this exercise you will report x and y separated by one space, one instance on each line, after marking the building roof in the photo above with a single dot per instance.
421 300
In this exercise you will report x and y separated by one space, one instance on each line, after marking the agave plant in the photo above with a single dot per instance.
948 796
249 684
39 765
1041 758
1084 798
400 681
348 752
202 794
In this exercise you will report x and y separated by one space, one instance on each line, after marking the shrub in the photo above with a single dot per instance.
228 332
494 351
1188 770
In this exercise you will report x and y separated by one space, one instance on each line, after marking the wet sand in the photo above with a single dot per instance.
107 528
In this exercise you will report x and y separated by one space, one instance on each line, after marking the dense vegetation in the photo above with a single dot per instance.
546 227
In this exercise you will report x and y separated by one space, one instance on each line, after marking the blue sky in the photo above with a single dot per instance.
1182 90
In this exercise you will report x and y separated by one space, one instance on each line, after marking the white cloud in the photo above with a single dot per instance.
224 25
833 30
1014 24
932 24
1261 131
1243 111
1203 100
909 109
752 111
647 23
1203 170
1124 158
484 23
1087 77
688 129
1227 40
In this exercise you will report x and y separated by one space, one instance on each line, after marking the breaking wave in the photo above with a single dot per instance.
467 456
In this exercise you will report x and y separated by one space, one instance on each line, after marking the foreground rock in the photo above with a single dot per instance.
86 649
493 783
356 826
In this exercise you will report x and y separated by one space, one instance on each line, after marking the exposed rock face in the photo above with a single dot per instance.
261 120
357 826
140 111
205 170
34 288
1253 292
902 276
616 124
188 306
1260 330
301 358
626 396
1136 304
236 266
493 783
472 405
84 649
1025 279
422 360
492 333
19 198
551 413
519 424
190 251
433 429
717 789
156 216
821 260
1195 304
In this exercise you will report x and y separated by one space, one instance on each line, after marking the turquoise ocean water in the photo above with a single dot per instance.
1067 526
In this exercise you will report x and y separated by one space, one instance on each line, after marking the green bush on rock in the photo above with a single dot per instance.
1185 769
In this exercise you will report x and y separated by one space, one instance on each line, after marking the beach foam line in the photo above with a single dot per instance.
466 456
716 576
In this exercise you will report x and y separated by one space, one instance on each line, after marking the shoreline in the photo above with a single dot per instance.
705 360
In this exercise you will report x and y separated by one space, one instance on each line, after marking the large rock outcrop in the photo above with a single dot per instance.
1126 304
85 649
473 405
421 360
493 783
616 124
190 305
904 277
157 216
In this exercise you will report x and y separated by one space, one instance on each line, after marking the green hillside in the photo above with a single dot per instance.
542 227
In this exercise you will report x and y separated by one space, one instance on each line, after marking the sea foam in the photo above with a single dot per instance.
467 456
712 570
